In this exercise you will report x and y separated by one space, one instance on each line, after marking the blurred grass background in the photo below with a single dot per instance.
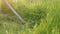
42 17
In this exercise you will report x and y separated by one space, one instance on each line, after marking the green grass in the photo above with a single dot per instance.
42 18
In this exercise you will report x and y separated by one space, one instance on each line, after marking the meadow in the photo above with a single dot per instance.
41 16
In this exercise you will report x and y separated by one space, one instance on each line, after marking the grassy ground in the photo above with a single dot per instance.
41 17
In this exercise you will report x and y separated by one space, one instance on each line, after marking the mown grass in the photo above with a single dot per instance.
41 17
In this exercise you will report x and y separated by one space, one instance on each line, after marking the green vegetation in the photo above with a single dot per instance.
42 17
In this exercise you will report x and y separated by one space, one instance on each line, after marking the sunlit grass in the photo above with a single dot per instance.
42 17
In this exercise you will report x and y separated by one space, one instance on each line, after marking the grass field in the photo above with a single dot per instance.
41 16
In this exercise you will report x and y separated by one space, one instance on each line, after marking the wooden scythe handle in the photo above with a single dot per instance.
12 9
